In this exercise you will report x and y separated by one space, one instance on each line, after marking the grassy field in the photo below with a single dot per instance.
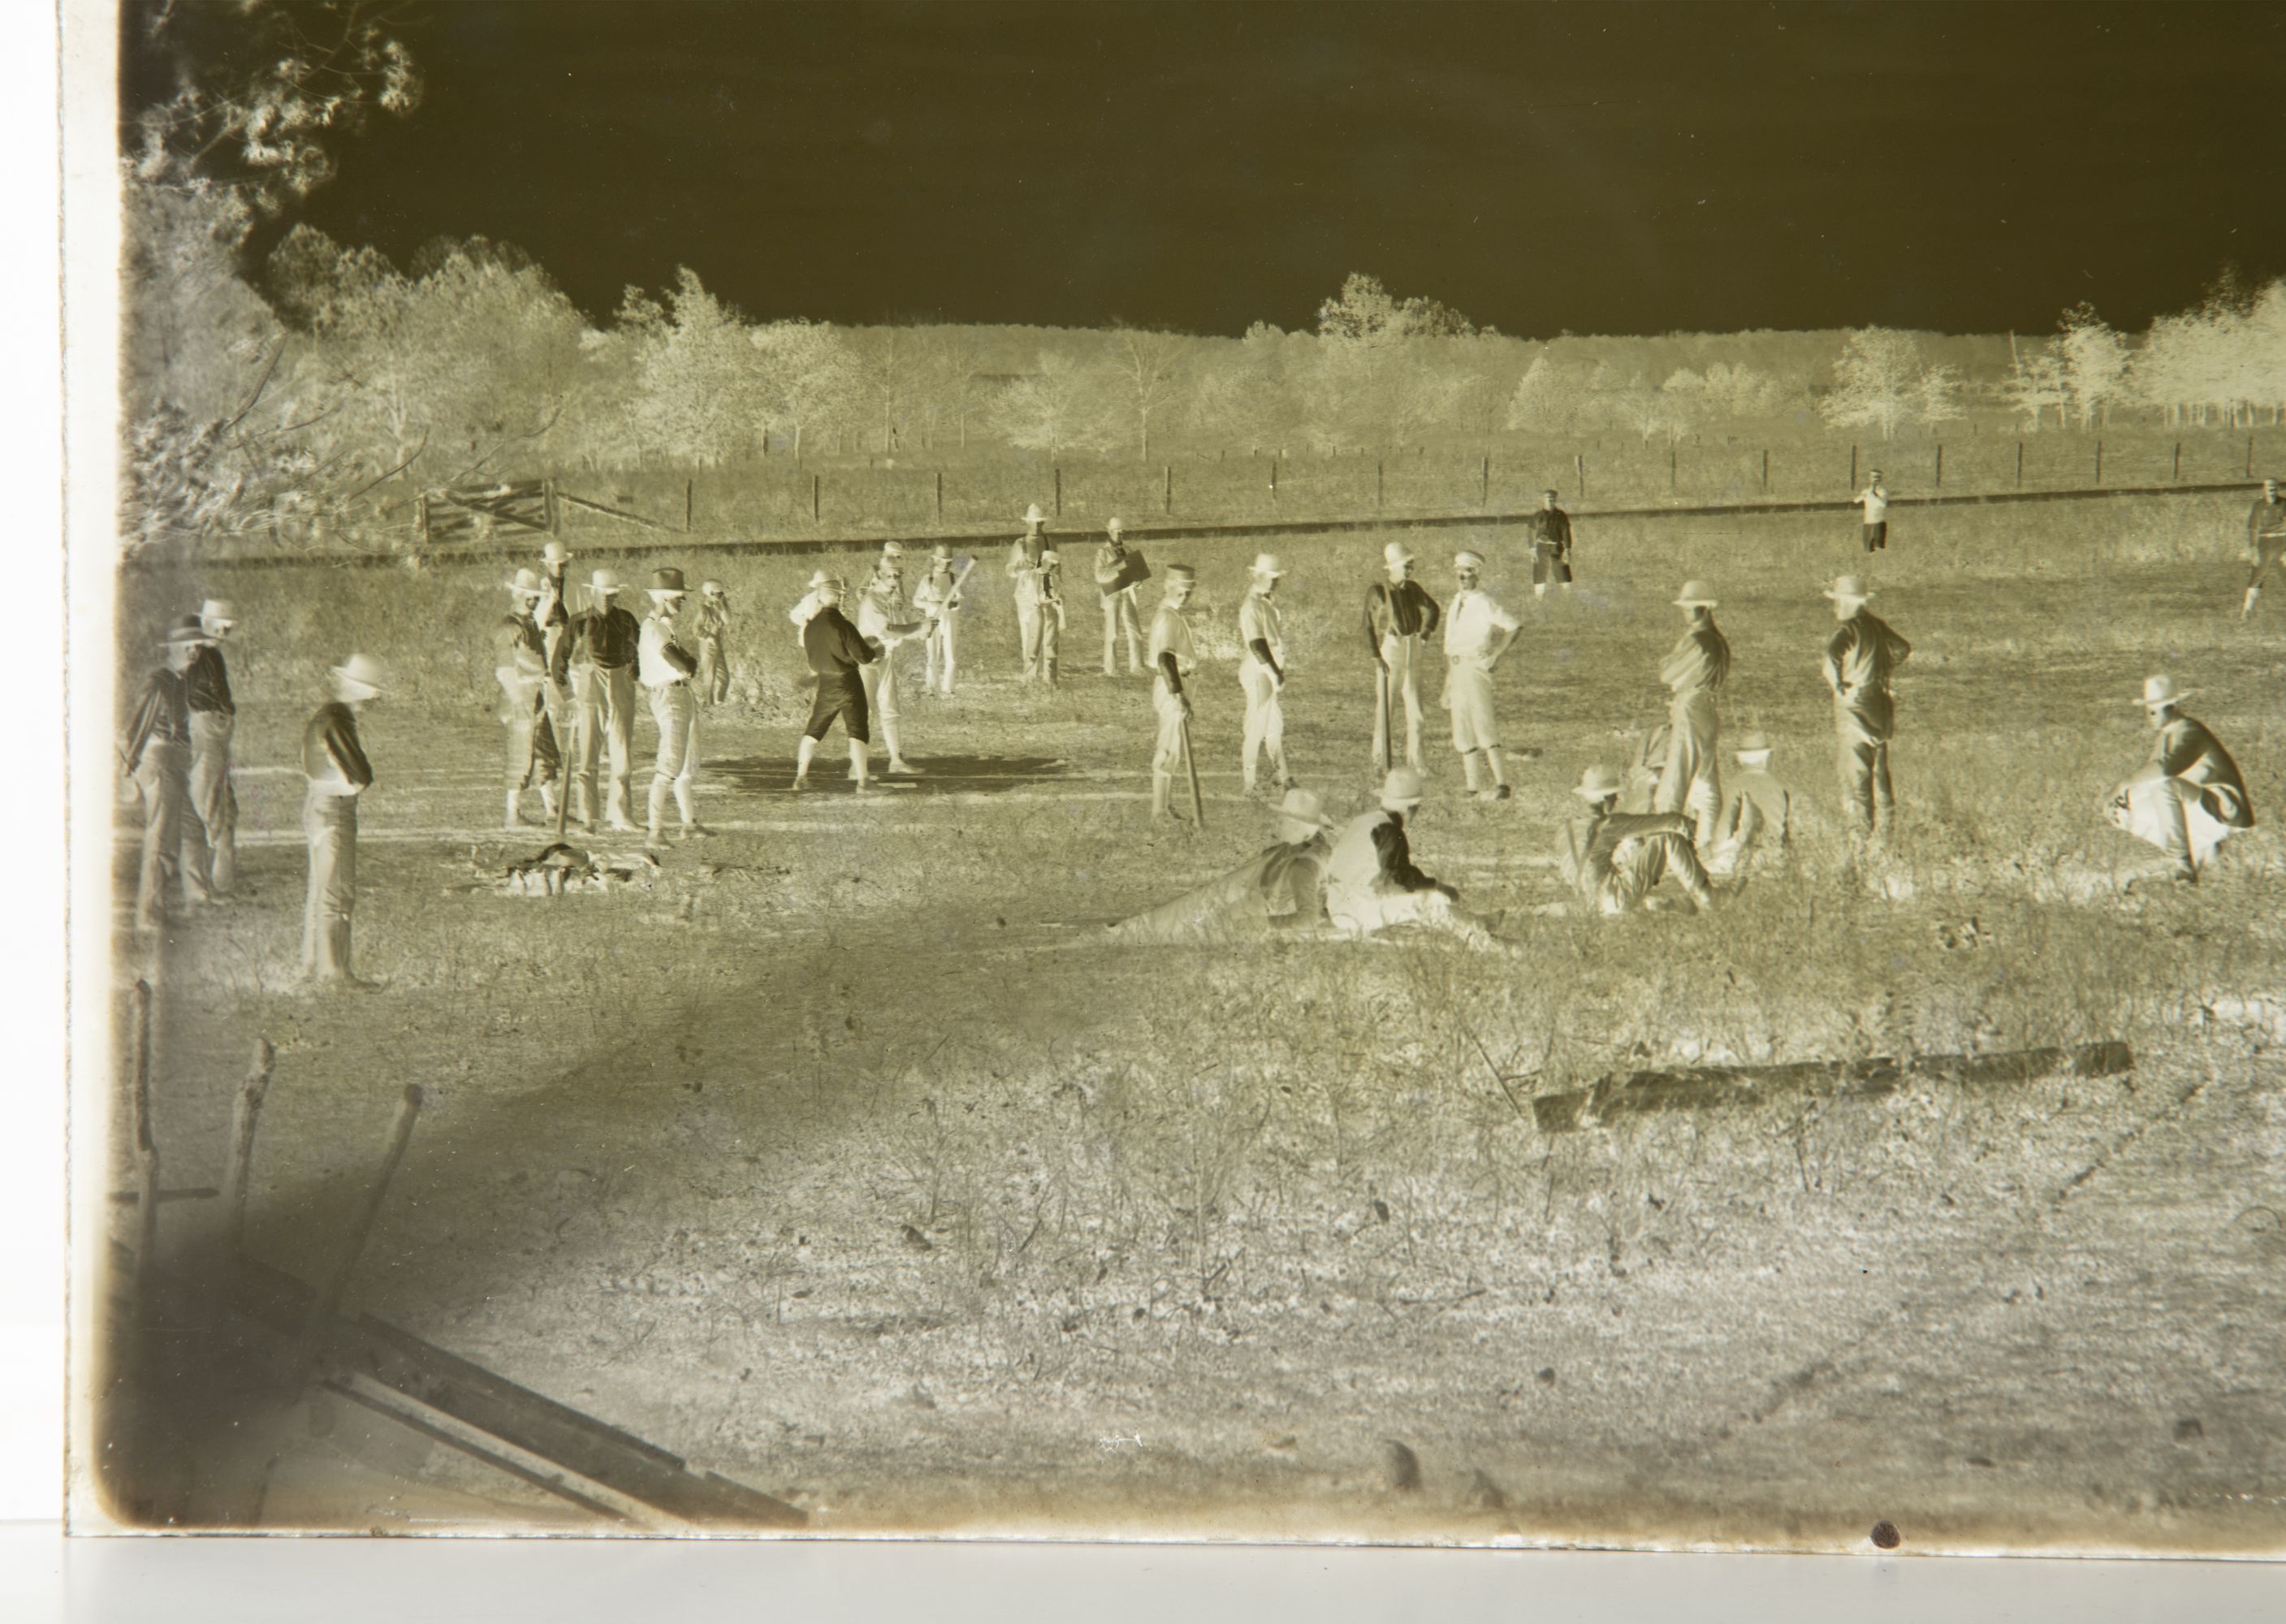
852 1162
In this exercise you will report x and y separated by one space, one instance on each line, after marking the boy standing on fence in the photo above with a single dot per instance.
711 630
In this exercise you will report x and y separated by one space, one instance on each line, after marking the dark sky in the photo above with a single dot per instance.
1597 168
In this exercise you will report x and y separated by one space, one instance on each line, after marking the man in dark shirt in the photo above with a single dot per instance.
334 763
520 667
2265 541
1860 660
1550 531
605 641
835 652
1399 619
214 800
553 614
2188 799
156 751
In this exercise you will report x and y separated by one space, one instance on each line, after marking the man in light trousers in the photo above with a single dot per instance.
665 668
1262 672
1399 618
1477 631
1115 579
1694 671
886 616
605 641
334 763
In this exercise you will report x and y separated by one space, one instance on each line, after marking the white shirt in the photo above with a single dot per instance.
880 606
1877 504
1257 617
652 667
1470 622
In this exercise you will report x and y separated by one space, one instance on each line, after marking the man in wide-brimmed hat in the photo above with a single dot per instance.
520 667
937 598
1873 501
1617 859
156 751
664 667
837 653
1861 659
214 717
1262 671
1174 656
2189 798
335 765
605 643
810 601
2266 542
1120 574
1399 618
1477 631
711 629
1694 671
1761 808
1371 882
1036 571
887 617
1280 888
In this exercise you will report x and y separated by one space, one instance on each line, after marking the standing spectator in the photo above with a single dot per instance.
1036 570
1694 671
1875 500
156 753
1551 529
214 716
1174 656
1477 631
604 642
553 615
1861 659
520 667
664 667
2265 541
1120 574
2188 799
1262 672
937 598
334 763
711 630
1399 616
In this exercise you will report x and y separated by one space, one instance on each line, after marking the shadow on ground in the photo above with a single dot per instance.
943 775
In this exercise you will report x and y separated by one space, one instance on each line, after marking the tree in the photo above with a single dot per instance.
1053 408
1149 367
699 394
1938 395
1876 381
2034 384
810 377
2092 363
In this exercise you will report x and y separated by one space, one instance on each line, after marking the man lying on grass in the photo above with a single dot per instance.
1371 883
1284 888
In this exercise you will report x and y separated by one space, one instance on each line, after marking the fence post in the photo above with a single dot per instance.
2019 465
1380 490
2099 462
1672 457
2179 462
1167 489
940 496
238 1170
1579 468
1766 470
2250 456
1274 478
554 514
1485 482
1059 473
1853 470
1940 465
326 1301
690 503
813 498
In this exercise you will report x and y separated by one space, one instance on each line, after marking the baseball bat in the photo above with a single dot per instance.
1191 765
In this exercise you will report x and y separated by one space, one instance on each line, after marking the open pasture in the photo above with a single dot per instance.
851 1162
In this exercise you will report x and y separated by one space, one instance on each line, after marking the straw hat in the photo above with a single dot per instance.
942 553
1402 790
1112 527
1033 515
1850 589
218 611
893 549
604 582
1396 553
553 554
1466 560
2161 691
362 675
1598 783
1301 813
525 582
1267 563
1696 595
711 589
667 583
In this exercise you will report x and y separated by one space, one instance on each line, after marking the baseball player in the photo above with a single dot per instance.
837 653
665 668
1281 889
155 750
1371 882
1694 671
936 599
886 617
1036 570
1551 532
810 601
1399 616
334 763
1173 655
711 630
1761 808
1112 578
604 641
1861 659
214 716
2265 541
1262 671
1874 531
520 667
1477 631
1617 858
2189 798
